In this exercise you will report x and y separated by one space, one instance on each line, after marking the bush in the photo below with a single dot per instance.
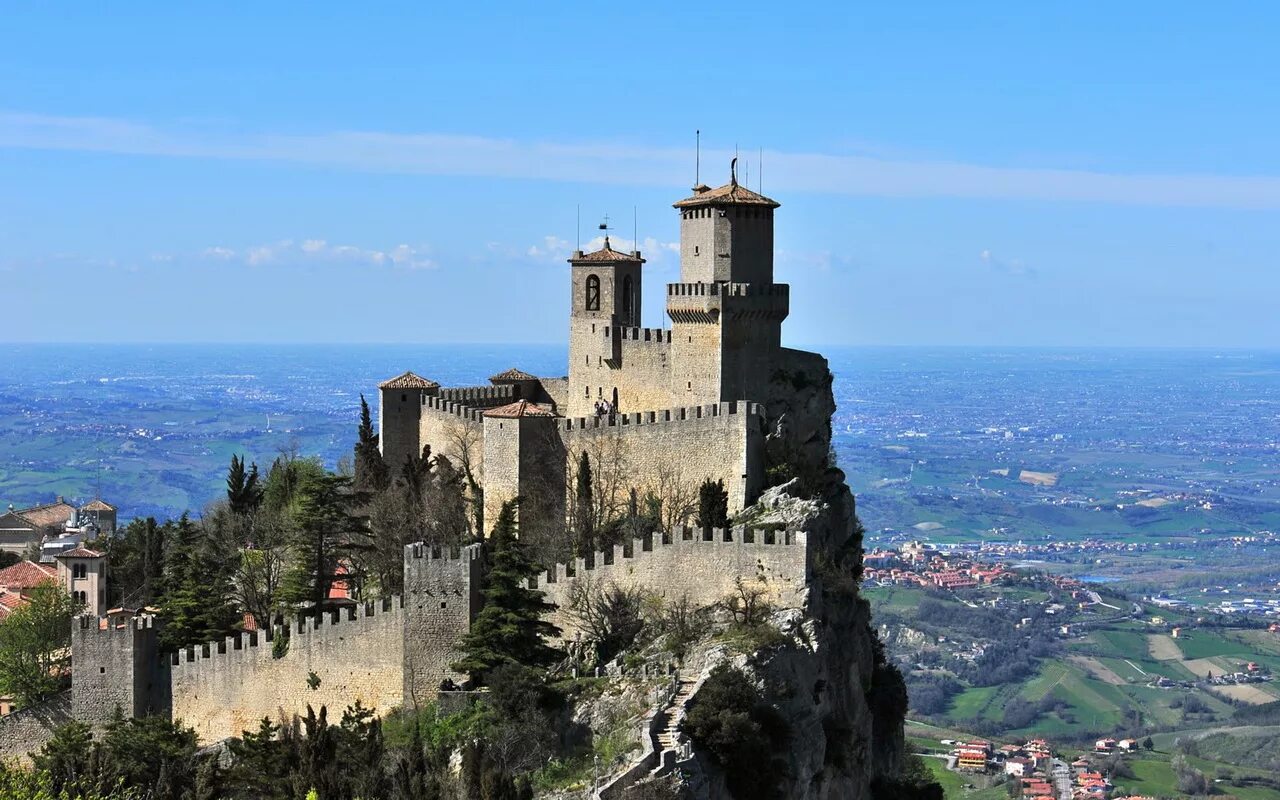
731 721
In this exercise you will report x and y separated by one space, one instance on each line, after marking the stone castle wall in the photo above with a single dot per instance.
225 688
26 731
723 441
450 428
441 595
113 666
700 567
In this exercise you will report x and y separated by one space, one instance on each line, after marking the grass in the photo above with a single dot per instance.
1154 775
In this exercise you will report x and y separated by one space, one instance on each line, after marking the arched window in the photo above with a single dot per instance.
628 300
593 293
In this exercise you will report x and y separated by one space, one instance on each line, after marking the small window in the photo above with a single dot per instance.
695 249
593 293
404 398
102 670
690 386
444 605
587 391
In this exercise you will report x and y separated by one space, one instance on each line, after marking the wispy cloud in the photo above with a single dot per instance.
310 251
555 249
621 163
1010 266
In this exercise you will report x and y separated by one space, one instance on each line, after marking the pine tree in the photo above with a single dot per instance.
510 628
585 504
243 493
326 533
372 473
195 601
713 505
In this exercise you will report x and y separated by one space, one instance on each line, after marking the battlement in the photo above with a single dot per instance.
625 334
116 624
478 396
670 415
686 565
462 411
303 625
709 302
714 539
422 551
728 290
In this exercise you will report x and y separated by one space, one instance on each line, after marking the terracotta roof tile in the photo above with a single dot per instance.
48 514
408 380
98 505
10 602
81 552
512 374
25 575
731 193
520 408
605 255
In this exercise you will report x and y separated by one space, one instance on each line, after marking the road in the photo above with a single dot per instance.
1061 774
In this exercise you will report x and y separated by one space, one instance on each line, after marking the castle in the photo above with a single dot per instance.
695 401
684 403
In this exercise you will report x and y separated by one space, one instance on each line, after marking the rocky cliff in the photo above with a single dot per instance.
844 704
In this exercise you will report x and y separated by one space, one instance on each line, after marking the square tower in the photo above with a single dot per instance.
606 299
726 235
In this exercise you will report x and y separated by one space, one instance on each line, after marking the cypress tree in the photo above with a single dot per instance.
713 505
510 628
372 473
243 493
585 501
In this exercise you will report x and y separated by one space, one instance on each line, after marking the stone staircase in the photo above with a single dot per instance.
668 739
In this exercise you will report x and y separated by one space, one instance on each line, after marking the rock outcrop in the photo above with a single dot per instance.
844 704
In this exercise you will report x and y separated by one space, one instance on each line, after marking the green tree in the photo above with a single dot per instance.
67 758
510 628
584 503
713 505
371 472
258 760
153 755
196 603
135 562
34 644
325 533
731 720
243 493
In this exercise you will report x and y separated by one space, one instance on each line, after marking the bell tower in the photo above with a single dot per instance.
726 313
606 299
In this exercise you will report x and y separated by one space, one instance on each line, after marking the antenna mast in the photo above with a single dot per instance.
635 229
577 229
697 158
760 173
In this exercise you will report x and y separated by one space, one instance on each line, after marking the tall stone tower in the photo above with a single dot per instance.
606 298
727 313
400 417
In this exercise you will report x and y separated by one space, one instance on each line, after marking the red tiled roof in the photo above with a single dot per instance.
408 380
731 193
605 255
10 602
25 575
81 552
512 374
98 505
520 408
55 513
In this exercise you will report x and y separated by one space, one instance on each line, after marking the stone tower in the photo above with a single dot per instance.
400 417
727 313
606 299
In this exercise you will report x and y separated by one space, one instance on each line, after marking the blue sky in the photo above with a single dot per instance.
950 173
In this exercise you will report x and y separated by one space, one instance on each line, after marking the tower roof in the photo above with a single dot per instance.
512 374
80 552
520 408
97 505
408 380
605 255
732 193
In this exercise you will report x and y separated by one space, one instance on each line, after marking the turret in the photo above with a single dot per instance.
606 298
400 416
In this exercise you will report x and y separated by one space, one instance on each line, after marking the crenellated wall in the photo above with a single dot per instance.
224 688
441 596
700 566
115 665
480 396
722 441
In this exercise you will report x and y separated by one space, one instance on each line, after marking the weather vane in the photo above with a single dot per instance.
604 226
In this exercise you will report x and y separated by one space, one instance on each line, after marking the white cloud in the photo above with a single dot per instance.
557 250
1012 266
316 251
627 164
